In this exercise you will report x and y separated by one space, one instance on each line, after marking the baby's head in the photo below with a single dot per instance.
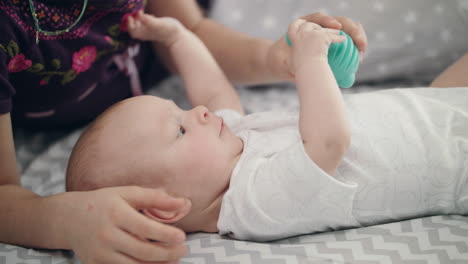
150 142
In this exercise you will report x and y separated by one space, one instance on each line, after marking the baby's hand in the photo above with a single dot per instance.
310 42
150 28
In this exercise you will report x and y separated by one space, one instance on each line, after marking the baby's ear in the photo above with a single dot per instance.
169 216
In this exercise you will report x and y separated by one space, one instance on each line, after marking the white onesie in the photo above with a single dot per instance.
408 158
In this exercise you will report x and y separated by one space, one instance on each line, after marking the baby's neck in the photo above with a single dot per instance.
213 211
212 214
206 219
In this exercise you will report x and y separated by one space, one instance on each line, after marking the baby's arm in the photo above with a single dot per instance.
323 124
205 82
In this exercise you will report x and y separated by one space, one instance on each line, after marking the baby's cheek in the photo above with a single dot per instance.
196 152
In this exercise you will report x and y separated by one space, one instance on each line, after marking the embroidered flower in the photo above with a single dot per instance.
83 59
56 17
124 21
41 14
108 39
19 63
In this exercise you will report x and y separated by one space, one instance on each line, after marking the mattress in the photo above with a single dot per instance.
433 239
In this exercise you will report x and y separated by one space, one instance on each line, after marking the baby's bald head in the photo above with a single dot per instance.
114 150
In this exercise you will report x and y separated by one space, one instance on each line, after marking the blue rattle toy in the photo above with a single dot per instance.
343 58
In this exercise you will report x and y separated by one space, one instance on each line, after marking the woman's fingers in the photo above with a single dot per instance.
323 20
147 228
121 258
142 198
356 31
127 217
108 222
143 250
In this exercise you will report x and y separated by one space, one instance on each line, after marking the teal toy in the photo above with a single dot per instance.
343 58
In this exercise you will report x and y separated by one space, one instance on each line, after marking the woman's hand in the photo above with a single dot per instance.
105 226
279 52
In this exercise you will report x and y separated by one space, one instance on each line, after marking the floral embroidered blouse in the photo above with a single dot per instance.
70 78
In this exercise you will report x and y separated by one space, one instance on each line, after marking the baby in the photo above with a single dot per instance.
378 157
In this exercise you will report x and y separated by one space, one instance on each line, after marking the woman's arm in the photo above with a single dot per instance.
454 76
322 122
9 171
24 220
243 58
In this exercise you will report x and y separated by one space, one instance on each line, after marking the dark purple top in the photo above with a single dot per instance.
70 78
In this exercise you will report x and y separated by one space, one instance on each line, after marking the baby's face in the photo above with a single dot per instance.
196 150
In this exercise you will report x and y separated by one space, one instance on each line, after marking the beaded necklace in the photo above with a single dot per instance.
56 32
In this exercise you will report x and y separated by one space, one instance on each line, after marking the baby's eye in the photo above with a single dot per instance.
181 131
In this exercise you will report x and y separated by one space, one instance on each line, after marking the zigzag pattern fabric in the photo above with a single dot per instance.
437 239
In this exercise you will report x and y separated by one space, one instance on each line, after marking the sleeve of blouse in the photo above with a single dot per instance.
8 58
6 89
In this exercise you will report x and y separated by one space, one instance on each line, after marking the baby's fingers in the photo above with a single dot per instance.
163 29
130 22
334 35
294 28
134 27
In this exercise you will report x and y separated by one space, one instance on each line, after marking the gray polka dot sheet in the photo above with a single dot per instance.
436 239
412 39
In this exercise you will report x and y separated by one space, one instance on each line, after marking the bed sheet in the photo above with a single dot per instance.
435 239
414 39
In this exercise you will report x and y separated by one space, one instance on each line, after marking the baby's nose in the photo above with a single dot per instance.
202 113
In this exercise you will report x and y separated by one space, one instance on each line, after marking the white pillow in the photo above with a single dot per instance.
411 39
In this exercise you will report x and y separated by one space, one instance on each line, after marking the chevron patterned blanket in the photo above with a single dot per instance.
436 239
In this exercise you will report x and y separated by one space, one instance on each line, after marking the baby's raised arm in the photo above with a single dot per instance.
204 80
323 124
